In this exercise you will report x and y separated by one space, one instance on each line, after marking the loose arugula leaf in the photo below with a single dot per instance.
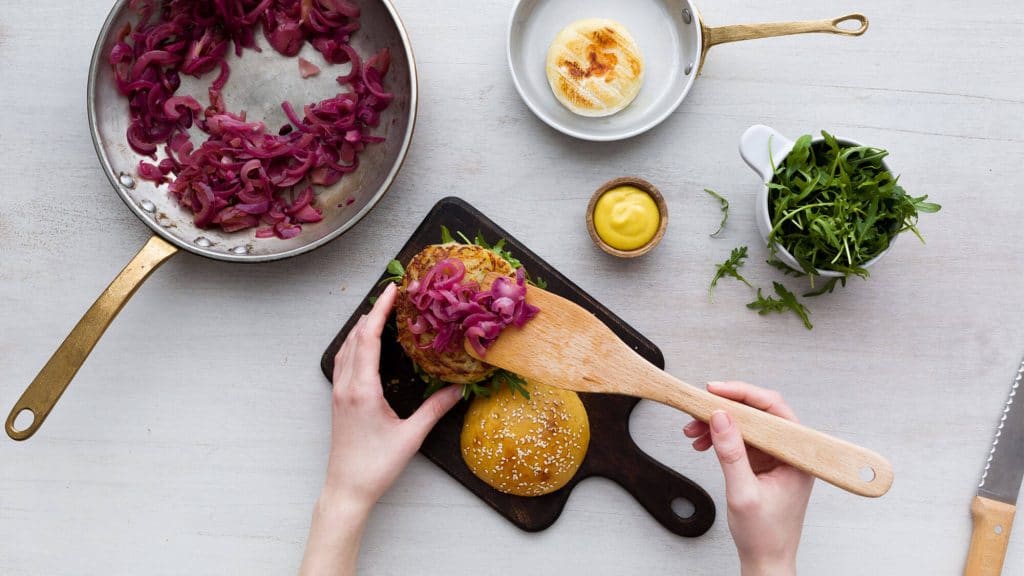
828 287
395 270
538 282
730 267
786 301
834 206
446 235
725 211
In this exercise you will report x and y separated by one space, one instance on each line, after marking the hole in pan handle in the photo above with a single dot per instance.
44 391
739 32
860 19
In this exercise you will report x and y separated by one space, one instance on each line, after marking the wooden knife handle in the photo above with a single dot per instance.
992 523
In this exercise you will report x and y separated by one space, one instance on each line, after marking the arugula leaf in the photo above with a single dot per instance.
499 249
433 382
725 211
834 206
730 267
828 287
476 389
786 270
538 282
480 241
446 235
516 383
395 270
395 267
433 385
786 301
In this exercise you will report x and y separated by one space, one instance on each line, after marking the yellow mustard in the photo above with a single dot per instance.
626 218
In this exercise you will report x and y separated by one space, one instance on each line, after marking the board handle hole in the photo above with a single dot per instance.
683 508
23 421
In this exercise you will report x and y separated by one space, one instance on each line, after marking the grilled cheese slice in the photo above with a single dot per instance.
594 67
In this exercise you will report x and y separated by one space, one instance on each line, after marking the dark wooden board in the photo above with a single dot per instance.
612 454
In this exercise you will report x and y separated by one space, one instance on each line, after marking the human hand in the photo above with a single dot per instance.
766 498
370 445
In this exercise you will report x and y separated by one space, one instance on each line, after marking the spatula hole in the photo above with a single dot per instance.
867 474
683 508
999 529
23 421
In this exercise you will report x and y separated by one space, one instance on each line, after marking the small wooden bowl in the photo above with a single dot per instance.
647 187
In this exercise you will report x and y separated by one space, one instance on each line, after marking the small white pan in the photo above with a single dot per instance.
672 39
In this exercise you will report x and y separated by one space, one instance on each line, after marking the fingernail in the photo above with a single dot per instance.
720 421
715 383
391 286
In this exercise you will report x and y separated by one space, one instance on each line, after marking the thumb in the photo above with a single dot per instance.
740 482
426 416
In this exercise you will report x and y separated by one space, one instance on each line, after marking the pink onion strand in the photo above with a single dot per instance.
453 308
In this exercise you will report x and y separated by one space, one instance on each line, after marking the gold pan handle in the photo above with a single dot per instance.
738 32
42 394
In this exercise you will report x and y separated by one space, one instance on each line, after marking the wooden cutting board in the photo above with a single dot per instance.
612 454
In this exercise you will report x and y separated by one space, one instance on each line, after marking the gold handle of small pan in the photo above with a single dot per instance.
738 32
42 394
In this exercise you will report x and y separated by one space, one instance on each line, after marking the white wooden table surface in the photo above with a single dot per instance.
194 439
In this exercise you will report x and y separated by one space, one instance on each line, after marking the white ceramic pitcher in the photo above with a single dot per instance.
754 148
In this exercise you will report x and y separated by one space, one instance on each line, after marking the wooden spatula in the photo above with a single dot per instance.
566 346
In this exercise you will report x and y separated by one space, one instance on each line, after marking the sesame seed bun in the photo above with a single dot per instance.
526 447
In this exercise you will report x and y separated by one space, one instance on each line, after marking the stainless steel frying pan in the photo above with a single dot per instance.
258 84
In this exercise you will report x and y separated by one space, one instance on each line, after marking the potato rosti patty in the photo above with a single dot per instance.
455 365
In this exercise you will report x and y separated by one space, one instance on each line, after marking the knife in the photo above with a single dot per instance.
993 508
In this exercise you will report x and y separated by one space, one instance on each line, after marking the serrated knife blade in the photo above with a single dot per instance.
1004 468
995 505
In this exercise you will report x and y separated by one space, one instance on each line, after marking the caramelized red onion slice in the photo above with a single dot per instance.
454 308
